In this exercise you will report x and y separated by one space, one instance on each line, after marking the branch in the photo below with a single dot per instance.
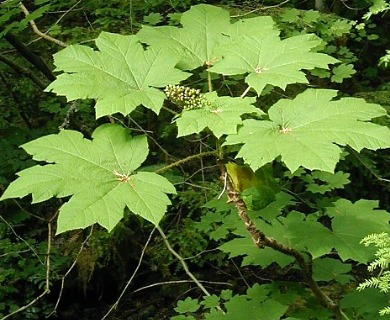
47 284
178 282
183 263
23 71
15 97
132 276
29 55
260 8
245 92
37 31
261 241
68 272
181 161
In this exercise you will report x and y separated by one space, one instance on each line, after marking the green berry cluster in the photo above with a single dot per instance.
186 97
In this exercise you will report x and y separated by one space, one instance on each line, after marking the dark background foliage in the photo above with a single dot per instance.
107 260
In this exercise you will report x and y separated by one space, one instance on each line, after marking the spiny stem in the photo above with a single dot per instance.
261 241
181 161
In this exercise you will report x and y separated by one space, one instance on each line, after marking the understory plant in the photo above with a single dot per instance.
210 77
382 259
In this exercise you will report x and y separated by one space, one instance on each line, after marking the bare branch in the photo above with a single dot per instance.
47 285
132 276
178 282
24 71
37 31
183 263
69 270
260 8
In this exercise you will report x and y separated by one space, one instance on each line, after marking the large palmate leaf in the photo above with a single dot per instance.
328 269
196 41
205 27
120 76
269 60
98 174
351 222
221 117
306 131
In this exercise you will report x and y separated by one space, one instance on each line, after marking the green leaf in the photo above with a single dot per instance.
350 223
269 60
98 174
182 317
273 210
187 305
305 131
252 254
311 16
290 15
210 301
153 18
120 76
321 182
240 307
222 117
341 72
331 269
340 27
205 28
196 41
366 303
321 73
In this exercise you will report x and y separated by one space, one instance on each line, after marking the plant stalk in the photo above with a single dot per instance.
181 161
262 241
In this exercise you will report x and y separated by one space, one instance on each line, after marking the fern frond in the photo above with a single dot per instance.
384 311
382 261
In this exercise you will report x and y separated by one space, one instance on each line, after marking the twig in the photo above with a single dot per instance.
28 212
351 8
22 70
261 8
20 238
68 272
13 252
47 284
64 14
183 263
356 154
245 92
240 273
181 161
178 282
224 186
202 170
200 253
37 31
132 276
171 111
150 137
